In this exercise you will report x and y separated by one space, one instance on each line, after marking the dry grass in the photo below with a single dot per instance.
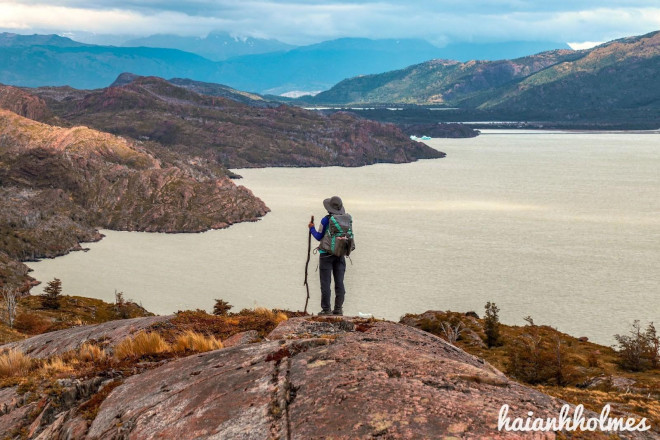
197 342
271 315
140 345
14 363
56 365
91 353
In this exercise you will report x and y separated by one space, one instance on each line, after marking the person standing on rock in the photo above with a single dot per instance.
336 243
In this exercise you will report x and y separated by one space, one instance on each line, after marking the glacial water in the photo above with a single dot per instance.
563 227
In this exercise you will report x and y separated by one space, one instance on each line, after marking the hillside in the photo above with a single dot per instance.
231 133
617 80
57 185
438 81
620 76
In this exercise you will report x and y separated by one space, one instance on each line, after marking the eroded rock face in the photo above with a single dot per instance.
59 342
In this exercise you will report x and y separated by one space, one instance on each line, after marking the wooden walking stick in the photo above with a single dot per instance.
309 248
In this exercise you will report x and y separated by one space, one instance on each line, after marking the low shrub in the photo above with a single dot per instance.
537 359
31 323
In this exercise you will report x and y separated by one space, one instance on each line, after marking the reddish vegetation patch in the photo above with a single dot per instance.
363 327
221 327
32 323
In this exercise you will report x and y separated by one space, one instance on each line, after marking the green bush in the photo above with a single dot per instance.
50 299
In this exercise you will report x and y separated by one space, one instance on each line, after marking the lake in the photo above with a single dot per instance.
563 227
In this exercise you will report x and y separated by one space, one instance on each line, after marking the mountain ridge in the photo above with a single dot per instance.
615 81
51 60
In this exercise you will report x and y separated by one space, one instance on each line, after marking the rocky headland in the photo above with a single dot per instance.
298 378
58 185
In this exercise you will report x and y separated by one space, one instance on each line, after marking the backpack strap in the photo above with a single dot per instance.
341 231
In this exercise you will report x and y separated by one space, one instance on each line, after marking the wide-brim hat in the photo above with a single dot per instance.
334 205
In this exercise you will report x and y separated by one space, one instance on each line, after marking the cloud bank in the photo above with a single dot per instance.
304 22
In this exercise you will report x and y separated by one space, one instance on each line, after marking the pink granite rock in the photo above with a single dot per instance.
316 378
340 379
241 338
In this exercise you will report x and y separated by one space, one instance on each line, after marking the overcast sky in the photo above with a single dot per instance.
304 22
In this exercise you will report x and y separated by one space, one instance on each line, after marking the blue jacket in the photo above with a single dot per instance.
319 235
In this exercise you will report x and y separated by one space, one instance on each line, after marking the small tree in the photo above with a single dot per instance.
9 296
638 351
119 300
492 324
50 299
121 305
221 307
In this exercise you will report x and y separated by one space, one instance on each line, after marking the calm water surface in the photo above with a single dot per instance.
564 227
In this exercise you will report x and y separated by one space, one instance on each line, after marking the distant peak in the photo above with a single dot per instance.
124 79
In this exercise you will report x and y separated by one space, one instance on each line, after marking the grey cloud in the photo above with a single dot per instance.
196 7
307 21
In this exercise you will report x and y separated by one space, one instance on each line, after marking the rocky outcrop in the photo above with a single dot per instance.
342 378
60 184
23 103
107 334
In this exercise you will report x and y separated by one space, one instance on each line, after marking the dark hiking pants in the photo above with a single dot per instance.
329 266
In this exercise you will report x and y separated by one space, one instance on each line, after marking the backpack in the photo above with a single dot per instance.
339 239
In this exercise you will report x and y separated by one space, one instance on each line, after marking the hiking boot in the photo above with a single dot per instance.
338 312
325 313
